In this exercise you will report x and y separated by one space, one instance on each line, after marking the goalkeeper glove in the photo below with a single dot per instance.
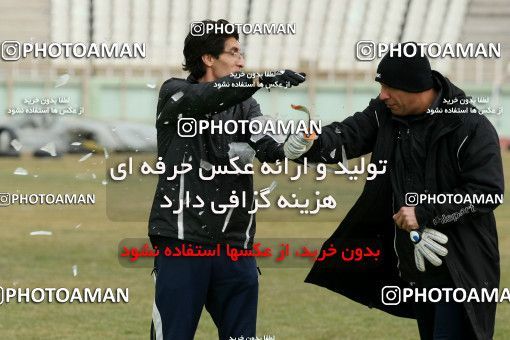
296 145
428 245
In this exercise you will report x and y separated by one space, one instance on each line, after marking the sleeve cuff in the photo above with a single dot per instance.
423 214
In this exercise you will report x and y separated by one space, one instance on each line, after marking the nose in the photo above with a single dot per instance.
383 95
240 62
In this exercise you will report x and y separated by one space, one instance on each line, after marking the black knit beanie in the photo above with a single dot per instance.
408 72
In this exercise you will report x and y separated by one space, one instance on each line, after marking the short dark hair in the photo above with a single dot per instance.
195 46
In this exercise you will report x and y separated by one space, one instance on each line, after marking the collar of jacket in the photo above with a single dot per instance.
445 125
192 79
446 122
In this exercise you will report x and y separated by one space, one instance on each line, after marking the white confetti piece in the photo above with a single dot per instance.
76 143
151 86
94 176
244 151
205 165
75 270
106 155
104 182
84 158
62 80
16 144
272 186
41 233
20 172
332 154
77 226
83 175
36 176
50 148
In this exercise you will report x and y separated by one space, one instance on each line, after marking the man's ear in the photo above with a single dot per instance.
208 60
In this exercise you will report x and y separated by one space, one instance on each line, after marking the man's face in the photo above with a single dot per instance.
400 103
229 61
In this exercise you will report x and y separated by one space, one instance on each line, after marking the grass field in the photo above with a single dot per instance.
85 236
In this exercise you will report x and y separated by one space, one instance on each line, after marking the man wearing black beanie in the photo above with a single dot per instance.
435 142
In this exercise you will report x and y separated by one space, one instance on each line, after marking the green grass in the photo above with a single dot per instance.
288 308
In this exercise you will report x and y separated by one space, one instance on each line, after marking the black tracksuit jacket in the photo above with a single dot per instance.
463 157
180 98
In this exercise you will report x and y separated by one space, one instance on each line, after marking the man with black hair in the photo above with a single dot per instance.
448 152
184 285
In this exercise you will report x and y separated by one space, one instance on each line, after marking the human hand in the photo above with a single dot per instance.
405 219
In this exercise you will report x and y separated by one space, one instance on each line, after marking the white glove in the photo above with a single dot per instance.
296 145
427 246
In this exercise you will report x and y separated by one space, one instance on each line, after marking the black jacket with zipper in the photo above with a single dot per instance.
464 157
188 99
